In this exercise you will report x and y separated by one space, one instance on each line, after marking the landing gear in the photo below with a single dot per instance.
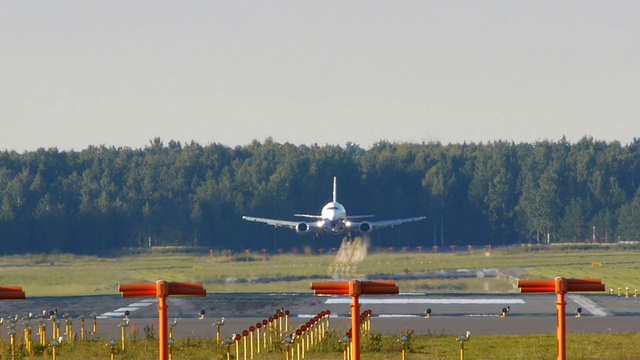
316 236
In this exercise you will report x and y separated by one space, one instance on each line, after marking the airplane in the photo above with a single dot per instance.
333 220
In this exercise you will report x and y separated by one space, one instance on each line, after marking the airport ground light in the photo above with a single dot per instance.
227 342
245 334
172 324
261 337
303 337
258 337
170 343
346 344
428 313
287 348
12 334
404 339
252 331
95 324
265 328
42 332
112 346
28 334
505 311
365 328
27 324
218 324
82 327
309 334
579 312
271 333
627 293
236 340
463 339
56 329
123 333
68 329
54 347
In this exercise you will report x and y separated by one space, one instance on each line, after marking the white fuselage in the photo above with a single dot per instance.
334 217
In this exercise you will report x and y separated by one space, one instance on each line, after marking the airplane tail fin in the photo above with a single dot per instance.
335 190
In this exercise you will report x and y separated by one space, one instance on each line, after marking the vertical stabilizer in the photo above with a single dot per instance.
335 190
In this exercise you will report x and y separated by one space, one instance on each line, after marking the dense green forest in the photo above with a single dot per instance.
102 198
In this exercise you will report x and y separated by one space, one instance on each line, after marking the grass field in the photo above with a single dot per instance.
62 274
374 347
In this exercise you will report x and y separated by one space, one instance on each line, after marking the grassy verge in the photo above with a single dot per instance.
374 347
61 274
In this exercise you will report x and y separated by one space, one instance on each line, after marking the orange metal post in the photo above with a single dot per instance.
354 288
354 292
11 293
561 286
162 291
561 334
10 288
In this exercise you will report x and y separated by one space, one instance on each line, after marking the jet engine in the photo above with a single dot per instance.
302 228
364 227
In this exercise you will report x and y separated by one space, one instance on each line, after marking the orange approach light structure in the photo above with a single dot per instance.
11 293
561 286
162 290
355 288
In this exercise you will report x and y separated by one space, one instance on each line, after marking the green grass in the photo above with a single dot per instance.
374 347
63 274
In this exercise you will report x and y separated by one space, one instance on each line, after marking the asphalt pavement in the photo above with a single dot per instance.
451 314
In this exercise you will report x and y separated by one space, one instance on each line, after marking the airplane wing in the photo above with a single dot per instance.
300 227
273 222
318 217
352 217
387 223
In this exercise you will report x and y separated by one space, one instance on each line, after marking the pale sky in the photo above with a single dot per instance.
120 73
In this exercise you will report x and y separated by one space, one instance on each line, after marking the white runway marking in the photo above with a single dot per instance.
131 308
588 305
451 301
110 315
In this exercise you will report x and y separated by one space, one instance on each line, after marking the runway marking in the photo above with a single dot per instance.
119 312
588 305
347 316
128 308
452 301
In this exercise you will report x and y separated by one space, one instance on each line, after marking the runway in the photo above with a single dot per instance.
452 314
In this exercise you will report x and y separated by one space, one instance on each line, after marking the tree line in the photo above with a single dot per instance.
102 198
